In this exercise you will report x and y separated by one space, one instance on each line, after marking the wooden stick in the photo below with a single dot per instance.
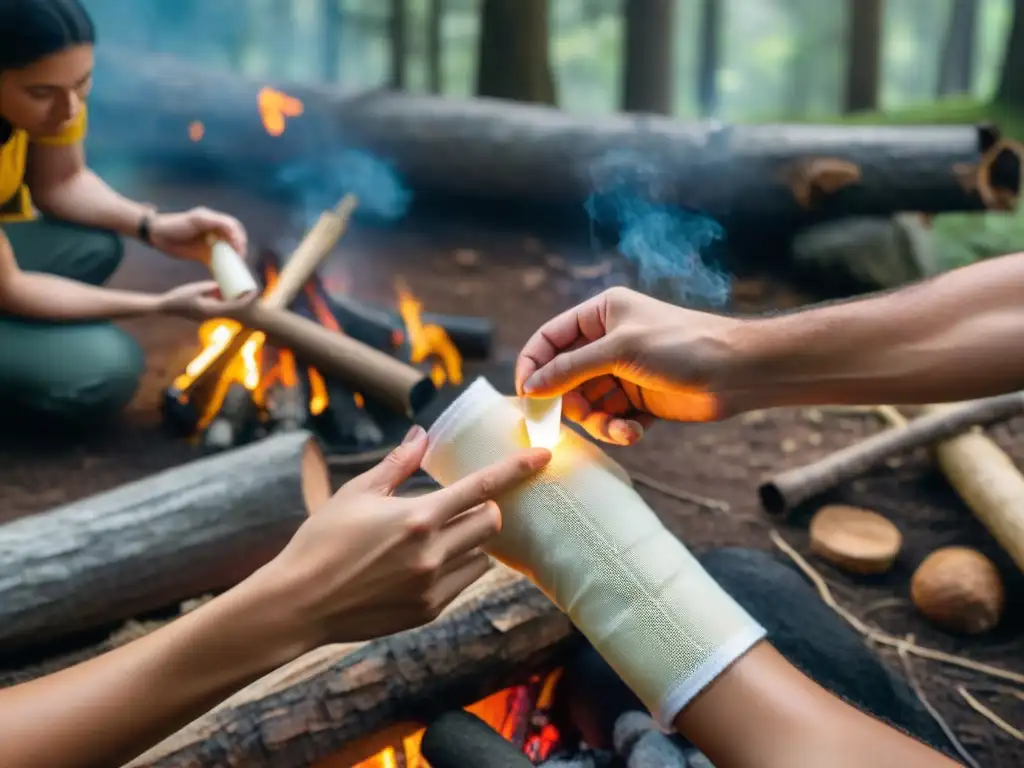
989 483
788 490
196 528
356 699
301 266
360 367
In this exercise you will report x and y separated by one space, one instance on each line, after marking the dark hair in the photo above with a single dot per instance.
31 30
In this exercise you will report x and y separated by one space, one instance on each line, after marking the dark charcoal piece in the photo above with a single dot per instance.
462 740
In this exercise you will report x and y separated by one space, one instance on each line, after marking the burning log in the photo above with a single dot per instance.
178 534
788 490
188 402
348 702
762 182
234 420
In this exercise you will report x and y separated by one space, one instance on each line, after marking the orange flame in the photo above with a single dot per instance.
196 130
497 710
275 108
427 341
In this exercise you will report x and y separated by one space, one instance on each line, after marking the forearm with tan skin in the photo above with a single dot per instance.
954 337
366 564
50 297
65 188
763 712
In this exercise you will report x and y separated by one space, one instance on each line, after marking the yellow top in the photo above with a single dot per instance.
15 200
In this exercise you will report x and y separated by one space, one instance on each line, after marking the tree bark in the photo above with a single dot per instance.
190 530
356 699
514 58
864 55
956 67
647 83
331 21
710 56
1011 81
759 181
435 46
397 26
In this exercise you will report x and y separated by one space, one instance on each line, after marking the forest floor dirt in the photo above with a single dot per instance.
520 282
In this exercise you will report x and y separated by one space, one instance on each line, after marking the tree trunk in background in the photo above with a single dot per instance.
864 55
647 71
330 34
710 55
435 53
397 29
956 67
514 58
1011 82
282 29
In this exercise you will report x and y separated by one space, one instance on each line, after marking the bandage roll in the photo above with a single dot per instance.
230 271
581 533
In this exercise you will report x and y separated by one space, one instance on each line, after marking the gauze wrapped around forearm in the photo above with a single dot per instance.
591 543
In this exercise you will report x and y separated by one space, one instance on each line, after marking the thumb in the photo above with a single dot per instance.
397 467
570 369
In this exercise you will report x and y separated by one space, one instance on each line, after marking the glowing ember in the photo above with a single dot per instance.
510 712
275 108
428 341
196 131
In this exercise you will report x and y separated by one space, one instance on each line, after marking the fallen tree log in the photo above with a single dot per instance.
758 181
196 528
357 699
788 490
989 483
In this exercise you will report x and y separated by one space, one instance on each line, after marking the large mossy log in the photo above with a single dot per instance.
348 702
196 528
759 181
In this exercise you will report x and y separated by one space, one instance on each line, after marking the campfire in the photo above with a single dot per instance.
240 387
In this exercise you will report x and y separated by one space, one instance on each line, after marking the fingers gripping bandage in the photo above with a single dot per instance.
591 543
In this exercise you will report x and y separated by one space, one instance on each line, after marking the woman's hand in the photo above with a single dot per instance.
370 563
200 301
184 235
622 360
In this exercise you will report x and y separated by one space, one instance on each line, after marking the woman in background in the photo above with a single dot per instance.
61 359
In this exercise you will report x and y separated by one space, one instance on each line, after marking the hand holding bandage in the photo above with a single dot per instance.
591 543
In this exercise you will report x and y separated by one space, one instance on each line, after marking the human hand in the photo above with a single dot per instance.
622 360
370 564
200 301
185 235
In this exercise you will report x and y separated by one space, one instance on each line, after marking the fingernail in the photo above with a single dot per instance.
529 386
413 434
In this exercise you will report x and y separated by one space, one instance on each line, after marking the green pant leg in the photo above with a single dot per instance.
57 248
71 373
66 372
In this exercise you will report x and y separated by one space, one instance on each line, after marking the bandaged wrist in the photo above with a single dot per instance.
597 550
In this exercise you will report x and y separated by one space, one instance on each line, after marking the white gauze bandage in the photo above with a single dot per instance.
591 543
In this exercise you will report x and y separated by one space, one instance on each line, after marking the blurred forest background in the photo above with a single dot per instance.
891 61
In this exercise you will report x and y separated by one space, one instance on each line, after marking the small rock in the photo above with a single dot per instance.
788 445
555 261
467 258
532 245
814 416
591 271
754 417
534 277
815 439
894 462
464 290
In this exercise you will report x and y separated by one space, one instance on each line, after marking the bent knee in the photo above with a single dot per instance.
98 379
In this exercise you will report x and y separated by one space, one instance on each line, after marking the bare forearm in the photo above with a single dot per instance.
84 198
954 337
49 297
112 708
762 711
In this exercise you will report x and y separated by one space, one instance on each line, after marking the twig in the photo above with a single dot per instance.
884 638
888 602
680 493
908 669
989 715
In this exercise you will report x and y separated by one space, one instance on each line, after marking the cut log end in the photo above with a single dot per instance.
856 540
